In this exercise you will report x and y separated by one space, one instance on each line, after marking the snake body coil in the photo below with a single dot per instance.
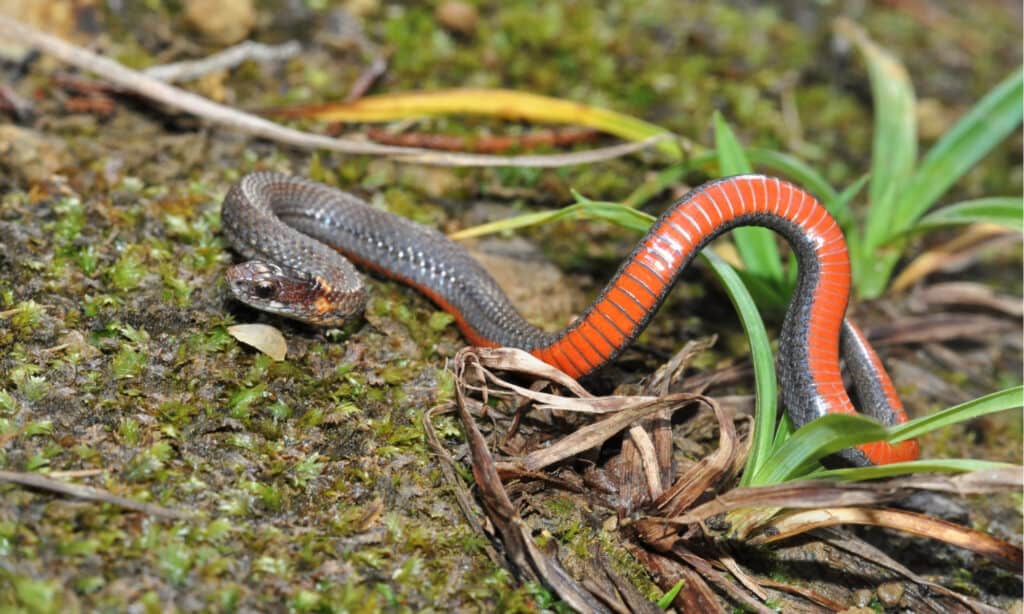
291 227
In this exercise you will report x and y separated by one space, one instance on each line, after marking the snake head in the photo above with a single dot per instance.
290 293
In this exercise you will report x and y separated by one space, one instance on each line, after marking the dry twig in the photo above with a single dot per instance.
223 60
188 102
483 144
42 482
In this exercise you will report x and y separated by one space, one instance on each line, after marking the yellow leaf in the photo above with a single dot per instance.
506 104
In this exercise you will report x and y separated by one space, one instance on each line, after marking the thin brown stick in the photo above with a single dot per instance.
187 102
367 78
42 482
472 513
483 144
795 523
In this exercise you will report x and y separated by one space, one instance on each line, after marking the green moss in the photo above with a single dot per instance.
128 429
35 596
243 399
149 463
7 403
128 272
38 428
128 363
26 316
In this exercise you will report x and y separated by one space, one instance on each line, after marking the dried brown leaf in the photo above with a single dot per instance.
827 604
595 434
520 548
668 373
813 494
789 524
695 595
718 468
718 579
959 252
648 459
264 338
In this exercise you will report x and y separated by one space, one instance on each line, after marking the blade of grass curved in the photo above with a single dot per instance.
948 465
667 178
977 133
756 245
765 386
894 145
840 207
1007 211
508 104
584 210
814 441
1009 398
893 152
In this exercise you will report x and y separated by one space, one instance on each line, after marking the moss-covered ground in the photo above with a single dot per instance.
310 480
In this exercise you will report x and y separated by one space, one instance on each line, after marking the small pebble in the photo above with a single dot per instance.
457 16
224 22
890 593
862 597
29 155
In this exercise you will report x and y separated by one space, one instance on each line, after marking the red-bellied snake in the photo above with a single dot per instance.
293 230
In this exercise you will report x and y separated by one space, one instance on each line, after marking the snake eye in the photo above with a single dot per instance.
264 290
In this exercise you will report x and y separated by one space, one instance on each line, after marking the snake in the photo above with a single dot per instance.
303 239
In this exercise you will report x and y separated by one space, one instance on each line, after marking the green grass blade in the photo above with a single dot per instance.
948 465
854 242
977 133
667 599
657 184
586 209
814 441
666 178
783 432
1007 211
1010 398
840 207
983 128
894 145
756 246
766 388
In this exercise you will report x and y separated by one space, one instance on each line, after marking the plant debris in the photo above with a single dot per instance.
684 522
